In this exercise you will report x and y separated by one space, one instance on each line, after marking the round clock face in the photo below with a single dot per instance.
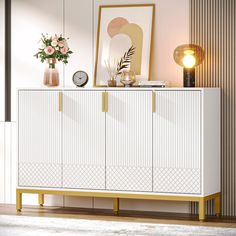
80 78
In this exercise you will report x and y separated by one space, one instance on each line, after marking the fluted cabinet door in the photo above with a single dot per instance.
39 138
83 140
129 141
176 142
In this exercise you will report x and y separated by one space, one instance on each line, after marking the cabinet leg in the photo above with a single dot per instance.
201 209
18 200
116 203
217 206
41 199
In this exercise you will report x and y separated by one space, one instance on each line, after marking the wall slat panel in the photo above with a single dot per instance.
2 66
212 25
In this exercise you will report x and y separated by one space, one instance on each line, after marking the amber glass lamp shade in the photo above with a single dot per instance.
189 56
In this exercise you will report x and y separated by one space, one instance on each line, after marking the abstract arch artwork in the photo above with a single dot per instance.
134 33
119 28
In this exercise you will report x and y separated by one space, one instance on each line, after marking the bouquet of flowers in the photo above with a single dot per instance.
53 48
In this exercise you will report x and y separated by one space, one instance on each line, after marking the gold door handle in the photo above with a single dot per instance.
60 101
104 101
153 102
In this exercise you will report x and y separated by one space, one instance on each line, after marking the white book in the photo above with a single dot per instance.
152 83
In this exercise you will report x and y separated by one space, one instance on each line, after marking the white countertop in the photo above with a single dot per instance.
117 88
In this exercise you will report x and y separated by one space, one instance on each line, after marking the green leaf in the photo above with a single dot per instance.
125 60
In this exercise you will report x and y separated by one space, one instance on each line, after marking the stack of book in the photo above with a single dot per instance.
153 83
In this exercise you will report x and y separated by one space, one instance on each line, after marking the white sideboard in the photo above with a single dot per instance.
143 143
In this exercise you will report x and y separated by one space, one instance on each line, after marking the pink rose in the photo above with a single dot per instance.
61 44
64 50
49 50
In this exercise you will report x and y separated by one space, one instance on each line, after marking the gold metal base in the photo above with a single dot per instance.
18 200
201 209
41 199
118 195
116 203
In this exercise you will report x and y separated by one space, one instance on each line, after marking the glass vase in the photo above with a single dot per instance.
111 82
128 78
51 75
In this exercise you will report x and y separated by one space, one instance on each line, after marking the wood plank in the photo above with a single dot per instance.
125 216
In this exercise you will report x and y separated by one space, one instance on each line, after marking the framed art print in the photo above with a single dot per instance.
119 28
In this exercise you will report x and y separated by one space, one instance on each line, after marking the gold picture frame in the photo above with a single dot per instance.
100 77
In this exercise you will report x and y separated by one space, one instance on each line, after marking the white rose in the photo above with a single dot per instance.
42 46
54 43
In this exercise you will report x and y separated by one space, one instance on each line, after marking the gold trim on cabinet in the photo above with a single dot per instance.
116 206
103 102
153 102
60 101
201 209
41 199
217 206
106 101
117 195
18 200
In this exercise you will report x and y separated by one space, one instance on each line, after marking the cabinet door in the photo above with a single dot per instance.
176 142
83 140
39 125
129 141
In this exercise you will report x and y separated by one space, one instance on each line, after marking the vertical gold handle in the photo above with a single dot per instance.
104 101
60 101
153 102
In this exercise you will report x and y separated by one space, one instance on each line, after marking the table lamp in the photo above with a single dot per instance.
189 56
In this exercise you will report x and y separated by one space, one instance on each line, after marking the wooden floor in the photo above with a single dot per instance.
127 216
